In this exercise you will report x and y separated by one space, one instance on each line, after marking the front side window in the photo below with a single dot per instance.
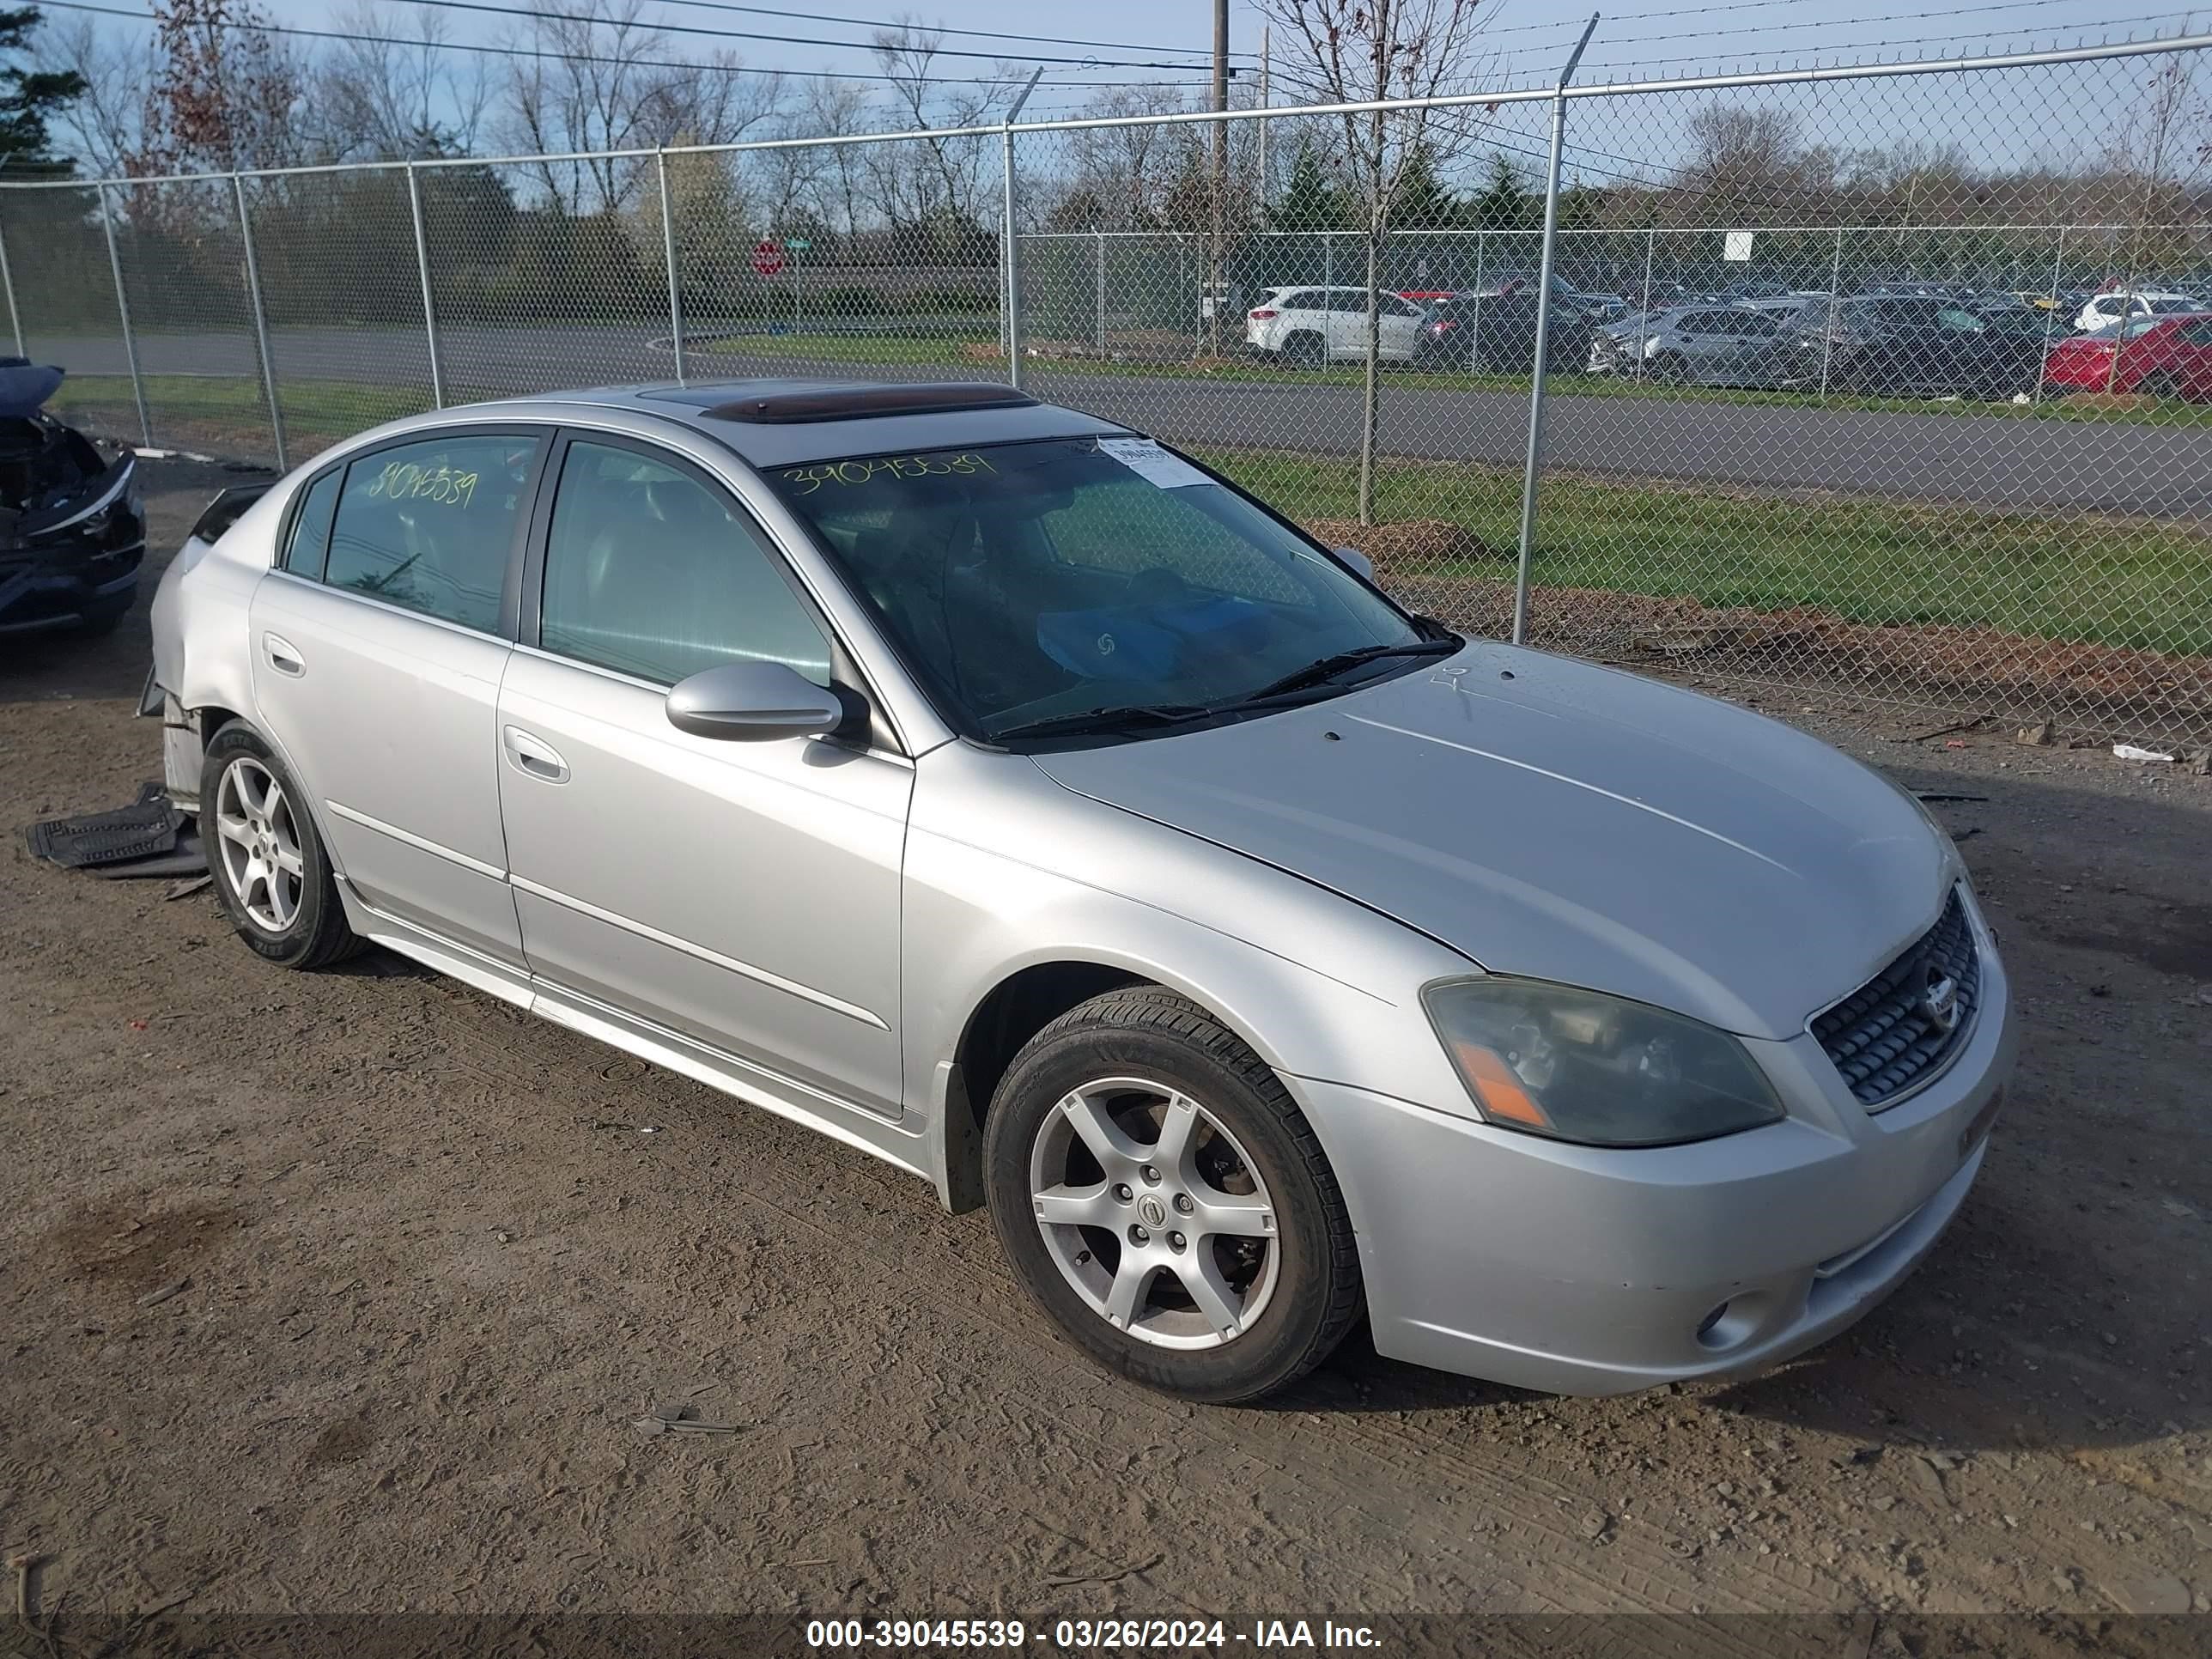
1029 582
651 572
429 525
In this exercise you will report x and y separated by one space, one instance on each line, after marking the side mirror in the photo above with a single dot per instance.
753 702
1362 566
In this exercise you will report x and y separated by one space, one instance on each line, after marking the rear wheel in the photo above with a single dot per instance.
1304 350
2164 386
1162 1198
272 874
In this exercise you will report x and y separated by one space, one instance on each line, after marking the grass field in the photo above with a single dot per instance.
2113 581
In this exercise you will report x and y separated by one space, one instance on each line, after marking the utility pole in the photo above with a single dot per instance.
1266 183
1215 302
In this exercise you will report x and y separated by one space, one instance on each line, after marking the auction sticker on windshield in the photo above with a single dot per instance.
1149 461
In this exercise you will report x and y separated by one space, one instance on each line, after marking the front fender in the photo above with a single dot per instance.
1005 870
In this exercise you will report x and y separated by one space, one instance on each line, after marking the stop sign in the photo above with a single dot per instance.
768 258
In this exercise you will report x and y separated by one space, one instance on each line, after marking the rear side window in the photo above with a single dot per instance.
310 541
651 572
429 525
2198 333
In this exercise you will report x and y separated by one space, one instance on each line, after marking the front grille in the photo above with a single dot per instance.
1883 1037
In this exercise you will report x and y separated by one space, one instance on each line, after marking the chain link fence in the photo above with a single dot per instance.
1896 381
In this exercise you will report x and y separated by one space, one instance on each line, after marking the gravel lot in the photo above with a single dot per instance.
435 1257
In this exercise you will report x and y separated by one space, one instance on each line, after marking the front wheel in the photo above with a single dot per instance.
272 874
1162 1198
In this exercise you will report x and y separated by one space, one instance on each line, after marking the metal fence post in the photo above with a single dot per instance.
1100 252
1474 343
260 323
8 281
1010 256
2050 317
1835 297
668 255
1328 259
430 305
1537 380
122 315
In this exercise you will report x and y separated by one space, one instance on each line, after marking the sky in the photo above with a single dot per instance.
1170 41
1530 36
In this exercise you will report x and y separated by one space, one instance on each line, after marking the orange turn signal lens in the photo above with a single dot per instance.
1499 1090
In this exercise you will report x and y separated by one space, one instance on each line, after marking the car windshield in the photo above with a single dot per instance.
2173 307
1050 581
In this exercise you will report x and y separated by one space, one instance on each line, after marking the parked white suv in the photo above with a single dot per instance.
2103 311
1308 327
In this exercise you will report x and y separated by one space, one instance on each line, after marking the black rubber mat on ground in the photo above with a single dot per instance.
137 831
187 858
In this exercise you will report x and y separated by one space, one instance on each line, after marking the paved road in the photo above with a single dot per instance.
1940 455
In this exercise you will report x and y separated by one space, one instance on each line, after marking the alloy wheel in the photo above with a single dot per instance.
259 843
1154 1213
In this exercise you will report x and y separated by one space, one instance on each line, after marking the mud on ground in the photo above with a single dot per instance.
341 1292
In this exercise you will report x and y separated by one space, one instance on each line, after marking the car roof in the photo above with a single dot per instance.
785 422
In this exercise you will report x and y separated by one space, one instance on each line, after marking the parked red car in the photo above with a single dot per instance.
2163 356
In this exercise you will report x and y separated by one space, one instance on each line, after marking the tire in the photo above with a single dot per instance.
291 916
1281 1271
99 622
2163 386
1670 369
1304 350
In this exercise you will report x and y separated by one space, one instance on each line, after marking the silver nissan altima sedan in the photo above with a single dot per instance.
1002 794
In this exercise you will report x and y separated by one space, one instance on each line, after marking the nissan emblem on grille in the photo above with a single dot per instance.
1904 1024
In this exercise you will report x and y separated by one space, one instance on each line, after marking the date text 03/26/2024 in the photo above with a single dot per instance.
1087 1634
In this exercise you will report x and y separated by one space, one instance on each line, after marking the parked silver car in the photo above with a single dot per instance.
1731 346
1002 794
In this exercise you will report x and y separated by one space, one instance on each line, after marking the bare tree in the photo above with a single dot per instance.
396 91
106 123
930 185
1742 161
2159 158
603 81
1350 51
1127 174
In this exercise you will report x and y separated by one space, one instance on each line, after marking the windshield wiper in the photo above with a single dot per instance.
1318 673
1120 718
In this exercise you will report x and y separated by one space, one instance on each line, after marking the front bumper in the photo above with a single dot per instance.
1593 1271
66 584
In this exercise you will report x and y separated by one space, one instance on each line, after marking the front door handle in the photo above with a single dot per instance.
533 757
283 656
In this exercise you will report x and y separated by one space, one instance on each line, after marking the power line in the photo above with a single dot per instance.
938 28
601 57
1733 6
525 12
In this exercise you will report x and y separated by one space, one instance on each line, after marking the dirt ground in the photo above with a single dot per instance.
435 1257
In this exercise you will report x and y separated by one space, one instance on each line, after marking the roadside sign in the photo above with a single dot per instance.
1736 249
797 244
768 258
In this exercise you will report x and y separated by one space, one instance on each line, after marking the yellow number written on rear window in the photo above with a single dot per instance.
404 481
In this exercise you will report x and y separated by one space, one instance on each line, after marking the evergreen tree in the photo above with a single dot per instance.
28 96
1310 199
1505 202
1423 202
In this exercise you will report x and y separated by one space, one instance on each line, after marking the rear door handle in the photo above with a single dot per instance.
533 757
283 656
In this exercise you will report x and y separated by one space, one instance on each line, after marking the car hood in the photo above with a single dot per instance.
1550 818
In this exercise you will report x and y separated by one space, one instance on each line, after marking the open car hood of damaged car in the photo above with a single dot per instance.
25 386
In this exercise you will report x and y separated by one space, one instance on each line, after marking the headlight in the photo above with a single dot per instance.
1583 1066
